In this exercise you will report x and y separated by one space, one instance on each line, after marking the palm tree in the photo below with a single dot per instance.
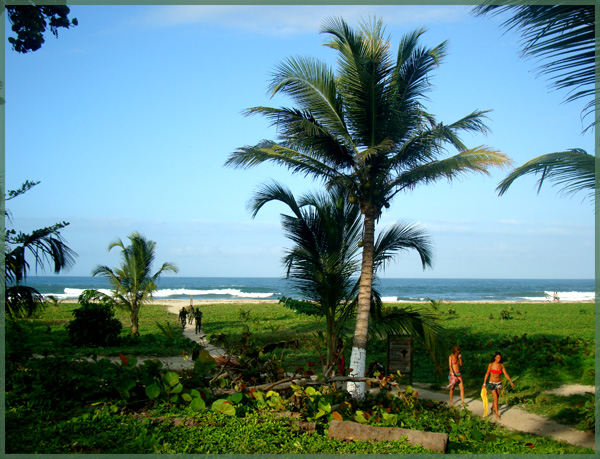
327 233
366 129
563 36
574 170
45 245
133 283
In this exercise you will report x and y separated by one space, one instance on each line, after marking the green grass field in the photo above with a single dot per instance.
545 346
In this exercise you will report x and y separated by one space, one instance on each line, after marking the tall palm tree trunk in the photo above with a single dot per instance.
135 319
358 358
331 345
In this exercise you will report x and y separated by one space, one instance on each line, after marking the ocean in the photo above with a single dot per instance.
391 290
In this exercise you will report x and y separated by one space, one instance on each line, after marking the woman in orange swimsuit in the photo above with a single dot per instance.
494 370
454 363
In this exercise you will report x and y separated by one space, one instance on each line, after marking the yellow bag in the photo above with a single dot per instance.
486 406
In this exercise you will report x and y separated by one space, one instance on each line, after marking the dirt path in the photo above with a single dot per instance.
511 417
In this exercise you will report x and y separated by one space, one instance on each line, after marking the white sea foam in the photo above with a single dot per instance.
389 299
165 293
73 293
563 296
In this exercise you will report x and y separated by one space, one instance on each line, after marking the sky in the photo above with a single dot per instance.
127 120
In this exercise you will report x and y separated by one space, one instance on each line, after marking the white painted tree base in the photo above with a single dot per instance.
358 362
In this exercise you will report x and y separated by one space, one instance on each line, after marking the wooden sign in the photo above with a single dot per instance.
400 354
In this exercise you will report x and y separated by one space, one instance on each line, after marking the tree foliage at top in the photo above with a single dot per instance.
30 22
562 36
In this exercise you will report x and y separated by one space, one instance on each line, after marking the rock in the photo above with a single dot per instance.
347 430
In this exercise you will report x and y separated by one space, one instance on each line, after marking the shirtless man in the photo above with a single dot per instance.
454 364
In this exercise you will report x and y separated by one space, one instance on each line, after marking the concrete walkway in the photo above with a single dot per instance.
189 332
515 418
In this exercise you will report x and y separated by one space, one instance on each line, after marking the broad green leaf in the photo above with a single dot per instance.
360 418
194 393
223 406
152 391
326 407
171 379
235 398
187 397
311 391
198 404
177 389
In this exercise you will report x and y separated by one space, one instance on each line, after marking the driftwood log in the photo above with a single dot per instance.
347 430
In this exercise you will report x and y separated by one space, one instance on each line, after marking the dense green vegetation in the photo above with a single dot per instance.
73 406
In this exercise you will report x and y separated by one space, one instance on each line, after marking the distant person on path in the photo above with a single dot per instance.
555 297
191 315
454 364
494 370
198 317
183 316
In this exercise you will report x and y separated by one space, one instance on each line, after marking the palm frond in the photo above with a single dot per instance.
562 37
478 159
22 301
311 84
295 161
413 65
401 237
573 170
300 130
46 245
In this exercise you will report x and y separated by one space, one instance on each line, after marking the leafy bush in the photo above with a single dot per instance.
95 323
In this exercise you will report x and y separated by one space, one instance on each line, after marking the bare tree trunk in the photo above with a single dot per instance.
135 322
358 358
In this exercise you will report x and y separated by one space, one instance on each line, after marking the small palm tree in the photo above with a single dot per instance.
133 283
573 170
325 259
366 129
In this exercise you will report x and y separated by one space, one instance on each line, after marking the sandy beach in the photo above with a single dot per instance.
175 305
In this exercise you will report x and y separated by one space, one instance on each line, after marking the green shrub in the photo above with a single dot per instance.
95 323
505 314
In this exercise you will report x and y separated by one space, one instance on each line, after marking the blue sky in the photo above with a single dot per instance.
128 118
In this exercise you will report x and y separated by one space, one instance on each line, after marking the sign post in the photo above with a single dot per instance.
400 355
